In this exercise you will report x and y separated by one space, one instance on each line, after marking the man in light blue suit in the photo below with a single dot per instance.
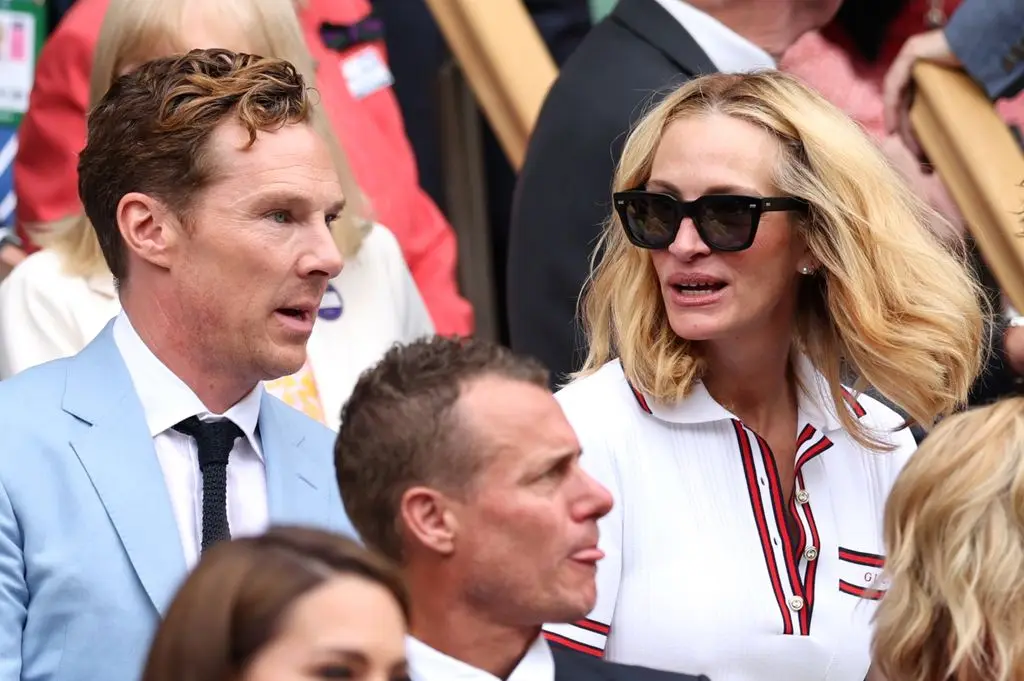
213 198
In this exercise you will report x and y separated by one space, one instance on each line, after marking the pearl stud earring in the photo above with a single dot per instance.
805 270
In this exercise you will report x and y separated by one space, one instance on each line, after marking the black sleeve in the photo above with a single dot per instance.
563 195
561 200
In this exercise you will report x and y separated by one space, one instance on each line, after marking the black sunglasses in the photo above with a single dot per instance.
724 222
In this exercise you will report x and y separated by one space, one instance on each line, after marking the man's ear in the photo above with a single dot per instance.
149 229
429 519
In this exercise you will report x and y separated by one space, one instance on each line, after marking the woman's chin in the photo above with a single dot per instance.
696 328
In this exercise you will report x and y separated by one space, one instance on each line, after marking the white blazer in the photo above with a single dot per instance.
46 314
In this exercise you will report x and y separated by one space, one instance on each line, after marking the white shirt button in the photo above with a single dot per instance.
811 553
802 496
796 603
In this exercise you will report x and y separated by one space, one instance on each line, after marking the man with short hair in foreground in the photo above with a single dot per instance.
455 461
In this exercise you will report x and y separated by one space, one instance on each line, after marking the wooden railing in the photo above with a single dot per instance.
981 164
505 69
505 61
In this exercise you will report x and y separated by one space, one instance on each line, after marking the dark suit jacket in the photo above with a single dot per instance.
564 190
573 666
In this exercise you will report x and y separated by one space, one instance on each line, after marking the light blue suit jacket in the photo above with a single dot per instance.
90 554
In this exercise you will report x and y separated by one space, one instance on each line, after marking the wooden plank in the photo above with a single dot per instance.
505 61
981 164
466 198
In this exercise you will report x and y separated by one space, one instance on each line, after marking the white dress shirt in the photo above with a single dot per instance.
166 401
427 664
727 49
708 570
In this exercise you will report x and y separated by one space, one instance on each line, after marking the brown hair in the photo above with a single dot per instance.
232 605
136 31
150 130
400 429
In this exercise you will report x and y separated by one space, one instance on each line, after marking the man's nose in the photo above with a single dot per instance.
596 501
324 256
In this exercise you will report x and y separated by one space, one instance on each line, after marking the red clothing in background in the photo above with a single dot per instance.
369 127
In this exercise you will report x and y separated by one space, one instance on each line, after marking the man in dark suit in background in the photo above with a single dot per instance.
416 52
643 48
458 464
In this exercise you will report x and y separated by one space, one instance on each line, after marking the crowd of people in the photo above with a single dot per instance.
247 432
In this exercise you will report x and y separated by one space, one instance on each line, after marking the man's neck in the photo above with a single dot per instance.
162 332
772 26
471 639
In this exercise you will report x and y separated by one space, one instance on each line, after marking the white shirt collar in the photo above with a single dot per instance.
814 403
166 400
728 50
428 664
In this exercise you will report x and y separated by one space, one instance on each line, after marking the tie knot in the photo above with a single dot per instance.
214 438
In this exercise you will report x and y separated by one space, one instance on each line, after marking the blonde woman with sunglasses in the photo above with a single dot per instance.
760 248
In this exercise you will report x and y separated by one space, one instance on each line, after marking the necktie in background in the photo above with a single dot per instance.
299 391
215 440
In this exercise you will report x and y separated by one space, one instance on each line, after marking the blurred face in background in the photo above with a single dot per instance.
526 543
346 628
711 295
206 30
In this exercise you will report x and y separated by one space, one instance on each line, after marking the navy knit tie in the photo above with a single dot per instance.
215 440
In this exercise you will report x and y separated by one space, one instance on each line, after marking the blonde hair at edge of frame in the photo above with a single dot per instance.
954 538
135 31
889 301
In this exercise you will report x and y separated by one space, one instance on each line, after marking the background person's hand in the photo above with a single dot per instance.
897 90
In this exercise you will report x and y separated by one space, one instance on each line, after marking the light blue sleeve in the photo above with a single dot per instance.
13 591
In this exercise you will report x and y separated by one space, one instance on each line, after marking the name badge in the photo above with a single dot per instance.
365 73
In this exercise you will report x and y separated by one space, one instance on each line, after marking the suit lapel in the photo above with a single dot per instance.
575 666
297 486
650 21
118 456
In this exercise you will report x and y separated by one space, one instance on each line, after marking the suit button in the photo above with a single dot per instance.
811 553
796 603
802 496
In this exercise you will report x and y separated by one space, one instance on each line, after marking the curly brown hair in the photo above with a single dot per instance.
150 131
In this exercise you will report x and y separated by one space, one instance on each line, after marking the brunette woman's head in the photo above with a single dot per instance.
293 603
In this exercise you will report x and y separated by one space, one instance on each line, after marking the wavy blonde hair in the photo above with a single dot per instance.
135 31
954 535
889 302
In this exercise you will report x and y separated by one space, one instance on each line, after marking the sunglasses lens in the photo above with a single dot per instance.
725 222
651 221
